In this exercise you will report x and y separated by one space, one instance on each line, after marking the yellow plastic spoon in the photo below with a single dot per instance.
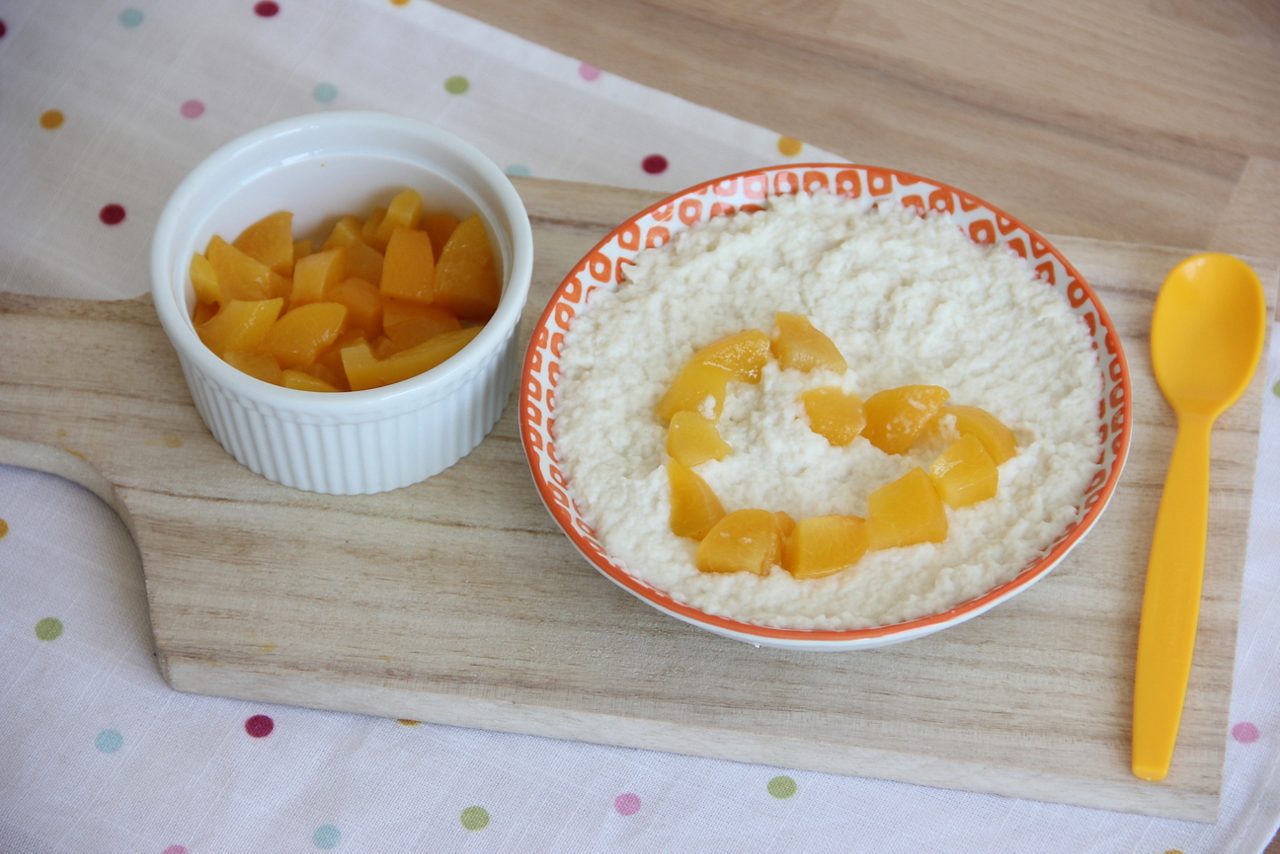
1206 339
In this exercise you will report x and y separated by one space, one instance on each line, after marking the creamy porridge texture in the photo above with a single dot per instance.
907 300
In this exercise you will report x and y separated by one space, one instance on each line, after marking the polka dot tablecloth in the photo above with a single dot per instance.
104 107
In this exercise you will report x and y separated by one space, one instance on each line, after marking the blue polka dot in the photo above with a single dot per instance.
325 92
130 18
109 740
518 170
326 836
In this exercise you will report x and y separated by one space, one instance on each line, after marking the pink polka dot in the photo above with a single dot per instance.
654 164
175 849
259 726
192 109
111 214
266 9
587 71
1245 732
628 803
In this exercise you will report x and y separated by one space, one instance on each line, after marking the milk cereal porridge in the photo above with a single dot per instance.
907 300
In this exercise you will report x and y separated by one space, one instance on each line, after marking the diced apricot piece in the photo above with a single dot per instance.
467 278
693 439
404 211
204 281
298 338
743 354
242 277
364 370
694 507
363 302
965 473
240 325
897 417
411 333
301 249
905 512
786 524
203 312
364 262
346 231
997 439
316 274
439 226
824 545
834 414
303 381
409 268
254 364
692 386
369 231
800 346
270 240
743 541
396 311
322 371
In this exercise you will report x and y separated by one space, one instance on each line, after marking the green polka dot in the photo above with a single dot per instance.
130 18
109 740
782 787
475 818
518 170
326 836
1275 389
457 85
50 628
325 92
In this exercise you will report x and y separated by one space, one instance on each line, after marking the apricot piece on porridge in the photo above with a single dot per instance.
897 417
987 429
743 541
240 325
786 524
824 545
315 274
691 388
409 268
241 277
467 276
905 512
965 473
693 439
255 364
834 414
799 346
694 507
743 354
303 381
270 241
296 339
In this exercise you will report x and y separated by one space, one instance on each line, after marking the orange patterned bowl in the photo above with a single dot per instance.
605 266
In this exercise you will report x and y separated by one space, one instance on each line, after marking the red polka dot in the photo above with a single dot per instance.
192 109
266 9
3 29
1245 732
111 214
628 803
259 726
654 164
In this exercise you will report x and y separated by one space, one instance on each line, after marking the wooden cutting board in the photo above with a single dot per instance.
458 601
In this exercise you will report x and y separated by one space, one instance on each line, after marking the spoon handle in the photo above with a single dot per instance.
1171 604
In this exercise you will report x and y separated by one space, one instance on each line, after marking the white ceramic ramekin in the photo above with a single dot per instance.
321 166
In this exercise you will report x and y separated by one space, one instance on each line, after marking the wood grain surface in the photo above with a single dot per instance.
1153 121
457 600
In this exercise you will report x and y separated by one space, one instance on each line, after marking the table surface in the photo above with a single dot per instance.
1123 120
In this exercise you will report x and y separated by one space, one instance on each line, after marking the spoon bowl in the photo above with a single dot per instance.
1206 339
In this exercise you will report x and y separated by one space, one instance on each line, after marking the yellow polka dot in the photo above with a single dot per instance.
399 2
407 722
51 119
789 145
4 528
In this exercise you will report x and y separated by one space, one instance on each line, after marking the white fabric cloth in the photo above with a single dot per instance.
97 754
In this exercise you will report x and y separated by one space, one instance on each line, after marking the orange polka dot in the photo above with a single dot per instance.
789 145
51 119
399 2
4 528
